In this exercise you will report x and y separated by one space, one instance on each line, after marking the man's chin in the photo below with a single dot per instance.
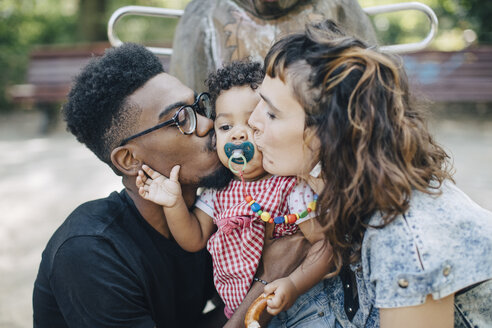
217 179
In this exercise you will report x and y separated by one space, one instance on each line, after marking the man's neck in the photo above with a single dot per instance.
152 212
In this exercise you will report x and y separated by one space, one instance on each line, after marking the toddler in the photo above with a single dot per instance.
239 210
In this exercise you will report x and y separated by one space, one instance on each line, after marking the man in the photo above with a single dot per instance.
113 262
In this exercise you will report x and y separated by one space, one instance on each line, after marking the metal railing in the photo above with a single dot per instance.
407 47
176 13
141 11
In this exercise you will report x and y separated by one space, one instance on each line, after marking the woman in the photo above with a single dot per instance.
417 248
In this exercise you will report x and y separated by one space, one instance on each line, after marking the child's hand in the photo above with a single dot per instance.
158 188
285 292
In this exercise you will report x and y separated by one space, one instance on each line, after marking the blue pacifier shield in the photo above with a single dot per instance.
247 148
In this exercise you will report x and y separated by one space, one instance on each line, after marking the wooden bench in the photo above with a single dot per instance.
445 77
50 74
51 71
452 77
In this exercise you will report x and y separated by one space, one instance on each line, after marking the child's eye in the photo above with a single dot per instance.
271 116
225 127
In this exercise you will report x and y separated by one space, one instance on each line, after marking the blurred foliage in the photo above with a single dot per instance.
478 13
461 23
22 25
151 31
25 24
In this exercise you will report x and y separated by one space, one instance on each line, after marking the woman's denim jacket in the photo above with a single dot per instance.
441 246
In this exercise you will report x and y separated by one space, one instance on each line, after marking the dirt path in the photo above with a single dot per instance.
42 178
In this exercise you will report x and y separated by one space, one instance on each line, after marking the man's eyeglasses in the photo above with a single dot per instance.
184 118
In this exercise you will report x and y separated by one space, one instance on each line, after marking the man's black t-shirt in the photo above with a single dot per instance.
106 266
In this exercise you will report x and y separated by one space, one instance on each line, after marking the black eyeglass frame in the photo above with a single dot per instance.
173 120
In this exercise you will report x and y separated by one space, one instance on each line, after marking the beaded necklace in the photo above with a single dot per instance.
238 152
266 217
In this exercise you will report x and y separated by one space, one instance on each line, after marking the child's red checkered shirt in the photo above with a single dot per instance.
237 245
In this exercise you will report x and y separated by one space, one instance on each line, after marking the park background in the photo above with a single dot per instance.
45 173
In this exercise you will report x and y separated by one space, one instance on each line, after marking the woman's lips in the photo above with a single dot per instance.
263 155
256 138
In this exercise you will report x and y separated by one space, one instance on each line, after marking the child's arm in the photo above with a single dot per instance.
312 270
433 313
275 263
190 229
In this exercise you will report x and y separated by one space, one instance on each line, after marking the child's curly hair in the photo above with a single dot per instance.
235 74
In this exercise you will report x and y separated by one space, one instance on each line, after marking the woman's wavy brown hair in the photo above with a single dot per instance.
375 146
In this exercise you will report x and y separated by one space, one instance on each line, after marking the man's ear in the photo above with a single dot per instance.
124 160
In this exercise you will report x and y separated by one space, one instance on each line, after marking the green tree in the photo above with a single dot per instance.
455 16
478 14
24 24
91 21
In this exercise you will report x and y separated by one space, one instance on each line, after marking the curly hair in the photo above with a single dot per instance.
235 74
375 146
98 111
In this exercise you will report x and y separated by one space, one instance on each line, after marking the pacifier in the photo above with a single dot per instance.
239 154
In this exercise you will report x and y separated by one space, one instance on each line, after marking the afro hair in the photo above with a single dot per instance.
97 111
235 74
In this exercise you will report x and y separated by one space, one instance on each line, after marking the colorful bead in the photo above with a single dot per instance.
288 219
255 207
265 216
278 220
291 218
